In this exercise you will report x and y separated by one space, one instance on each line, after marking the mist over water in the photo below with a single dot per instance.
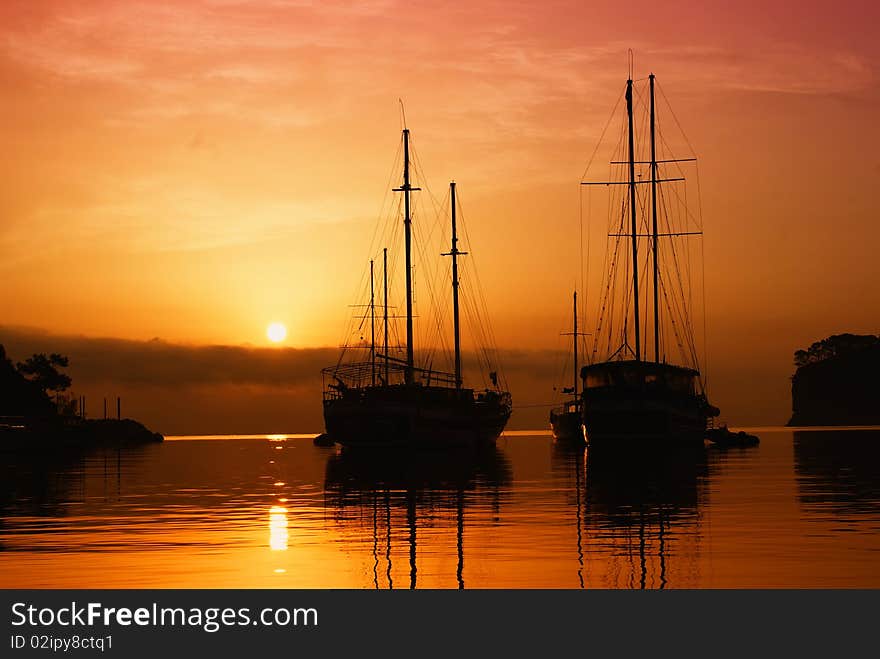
799 510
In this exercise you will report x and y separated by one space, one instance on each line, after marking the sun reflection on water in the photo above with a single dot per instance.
278 534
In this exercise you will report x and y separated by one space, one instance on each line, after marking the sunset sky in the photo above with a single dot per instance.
192 171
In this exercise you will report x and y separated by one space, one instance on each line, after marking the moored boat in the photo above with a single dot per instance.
627 393
566 420
724 436
387 400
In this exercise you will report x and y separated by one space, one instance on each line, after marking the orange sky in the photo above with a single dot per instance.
195 170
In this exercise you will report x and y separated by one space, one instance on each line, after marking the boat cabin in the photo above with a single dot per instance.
640 375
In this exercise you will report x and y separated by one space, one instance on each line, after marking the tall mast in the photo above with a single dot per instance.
372 328
632 208
406 188
454 252
575 336
654 224
385 306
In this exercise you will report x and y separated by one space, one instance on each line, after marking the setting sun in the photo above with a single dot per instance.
276 332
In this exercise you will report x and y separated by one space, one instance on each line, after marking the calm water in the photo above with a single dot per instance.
801 509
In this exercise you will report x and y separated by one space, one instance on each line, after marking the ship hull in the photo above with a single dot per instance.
567 426
650 424
643 402
414 417
644 420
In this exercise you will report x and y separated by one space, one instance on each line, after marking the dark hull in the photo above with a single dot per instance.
567 426
414 418
645 402
644 420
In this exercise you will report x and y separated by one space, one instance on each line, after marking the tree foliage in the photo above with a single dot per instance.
20 396
835 346
44 371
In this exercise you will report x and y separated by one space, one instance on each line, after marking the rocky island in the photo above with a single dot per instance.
836 382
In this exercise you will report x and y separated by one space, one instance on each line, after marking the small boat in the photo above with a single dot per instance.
323 440
566 421
724 436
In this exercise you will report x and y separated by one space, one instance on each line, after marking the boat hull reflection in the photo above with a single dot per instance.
640 508
388 492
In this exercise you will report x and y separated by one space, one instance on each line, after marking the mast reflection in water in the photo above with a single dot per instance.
802 509
398 495
637 512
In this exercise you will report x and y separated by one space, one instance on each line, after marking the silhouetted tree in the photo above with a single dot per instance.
835 346
43 372
20 396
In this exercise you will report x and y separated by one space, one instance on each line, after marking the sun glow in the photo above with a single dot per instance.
276 332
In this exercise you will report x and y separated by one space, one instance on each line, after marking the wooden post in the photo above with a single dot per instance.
118 408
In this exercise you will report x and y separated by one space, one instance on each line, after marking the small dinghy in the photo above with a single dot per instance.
724 436
323 440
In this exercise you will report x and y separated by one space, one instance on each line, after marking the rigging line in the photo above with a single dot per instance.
705 318
379 223
581 227
489 353
433 279
703 283
472 318
602 136
493 345
686 304
677 122
479 328
431 282
673 306
615 217
678 340
439 347
684 316
427 351
698 219
644 283
561 355
585 275
490 346
610 291
388 186
690 280
402 114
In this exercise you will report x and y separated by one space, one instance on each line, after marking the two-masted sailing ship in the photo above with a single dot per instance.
386 400
628 392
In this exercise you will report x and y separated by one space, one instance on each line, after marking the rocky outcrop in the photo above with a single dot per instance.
837 382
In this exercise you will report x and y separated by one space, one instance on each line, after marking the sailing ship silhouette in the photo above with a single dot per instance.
390 401
627 393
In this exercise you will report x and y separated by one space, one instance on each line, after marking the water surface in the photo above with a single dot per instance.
800 510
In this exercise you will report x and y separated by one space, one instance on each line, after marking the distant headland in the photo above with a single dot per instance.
836 382
35 406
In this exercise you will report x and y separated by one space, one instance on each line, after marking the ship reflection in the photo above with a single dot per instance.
838 471
388 492
634 511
